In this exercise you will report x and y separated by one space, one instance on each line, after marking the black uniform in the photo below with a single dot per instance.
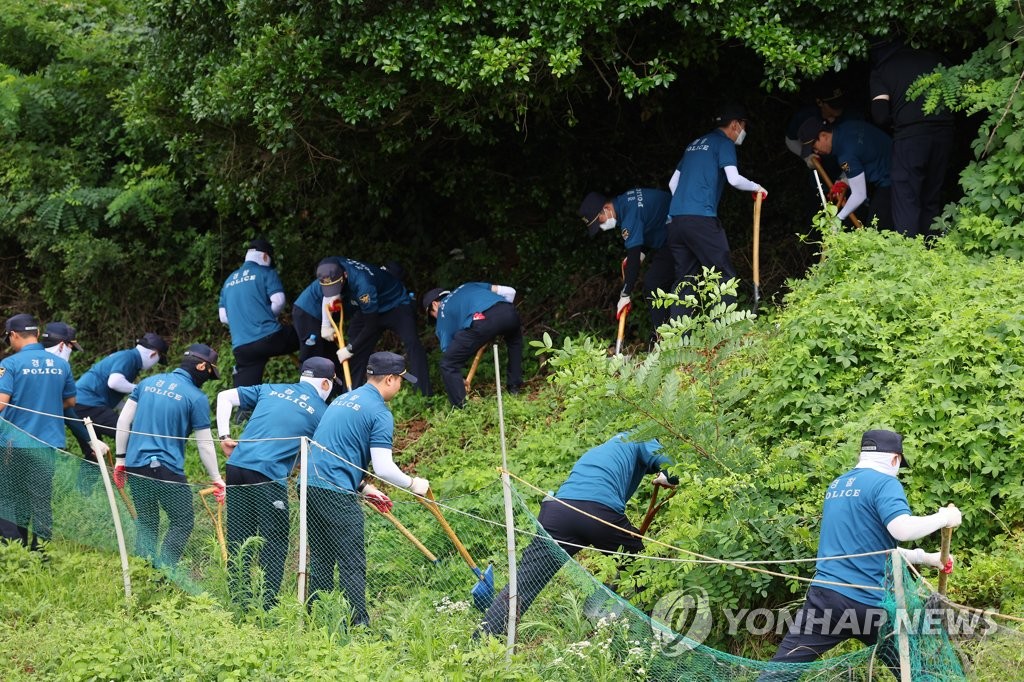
922 143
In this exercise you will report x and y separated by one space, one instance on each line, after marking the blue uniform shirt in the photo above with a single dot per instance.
860 147
39 381
246 296
278 411
355 422
611 472
92 386
456 310
858 506
311 300
642 214
170 405
370 289
701 178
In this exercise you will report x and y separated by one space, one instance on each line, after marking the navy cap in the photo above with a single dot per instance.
56 332
154 341
591 209
808 134
22 322
433 295
320 368
882 440
384 363
205 354
263 245
729 113
331 276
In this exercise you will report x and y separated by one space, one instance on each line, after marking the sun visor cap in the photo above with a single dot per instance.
331 277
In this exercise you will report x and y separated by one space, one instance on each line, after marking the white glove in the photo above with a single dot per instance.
663 480
809 160
762 191
100 449
953 516
378 499
419 486
327 333
623 302
934 559
344 354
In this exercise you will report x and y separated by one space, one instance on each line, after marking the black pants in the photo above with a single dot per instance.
827 619
661 274
251 358
153 489
104 420
402 321
919 164
335 523
307 326
501 319
26 489
696 242
543 557
256 506
880 207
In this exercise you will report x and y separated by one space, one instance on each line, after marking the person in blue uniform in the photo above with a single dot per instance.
467 319
641 215
922 142
374 300
259 465
112 379
864 154
158 417
695 235
599 485
106 384
354 436
865 512
250 301
36 388
60 339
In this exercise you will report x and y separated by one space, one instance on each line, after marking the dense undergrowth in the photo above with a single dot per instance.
759 414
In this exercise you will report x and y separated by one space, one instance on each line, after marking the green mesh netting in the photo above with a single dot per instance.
247 557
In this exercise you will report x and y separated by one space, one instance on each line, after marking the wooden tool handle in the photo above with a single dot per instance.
472 370
431 505
340 338
828 181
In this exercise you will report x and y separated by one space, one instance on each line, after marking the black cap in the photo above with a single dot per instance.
729 113
154 341
263 245
331 276
882 440
395 269
22 322
433 295
808 134
204 354
56 332
320 368
383 363
591 209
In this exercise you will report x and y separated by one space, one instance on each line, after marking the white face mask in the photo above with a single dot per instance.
609 224
149 357
61 350
880 462
317 385
742 136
